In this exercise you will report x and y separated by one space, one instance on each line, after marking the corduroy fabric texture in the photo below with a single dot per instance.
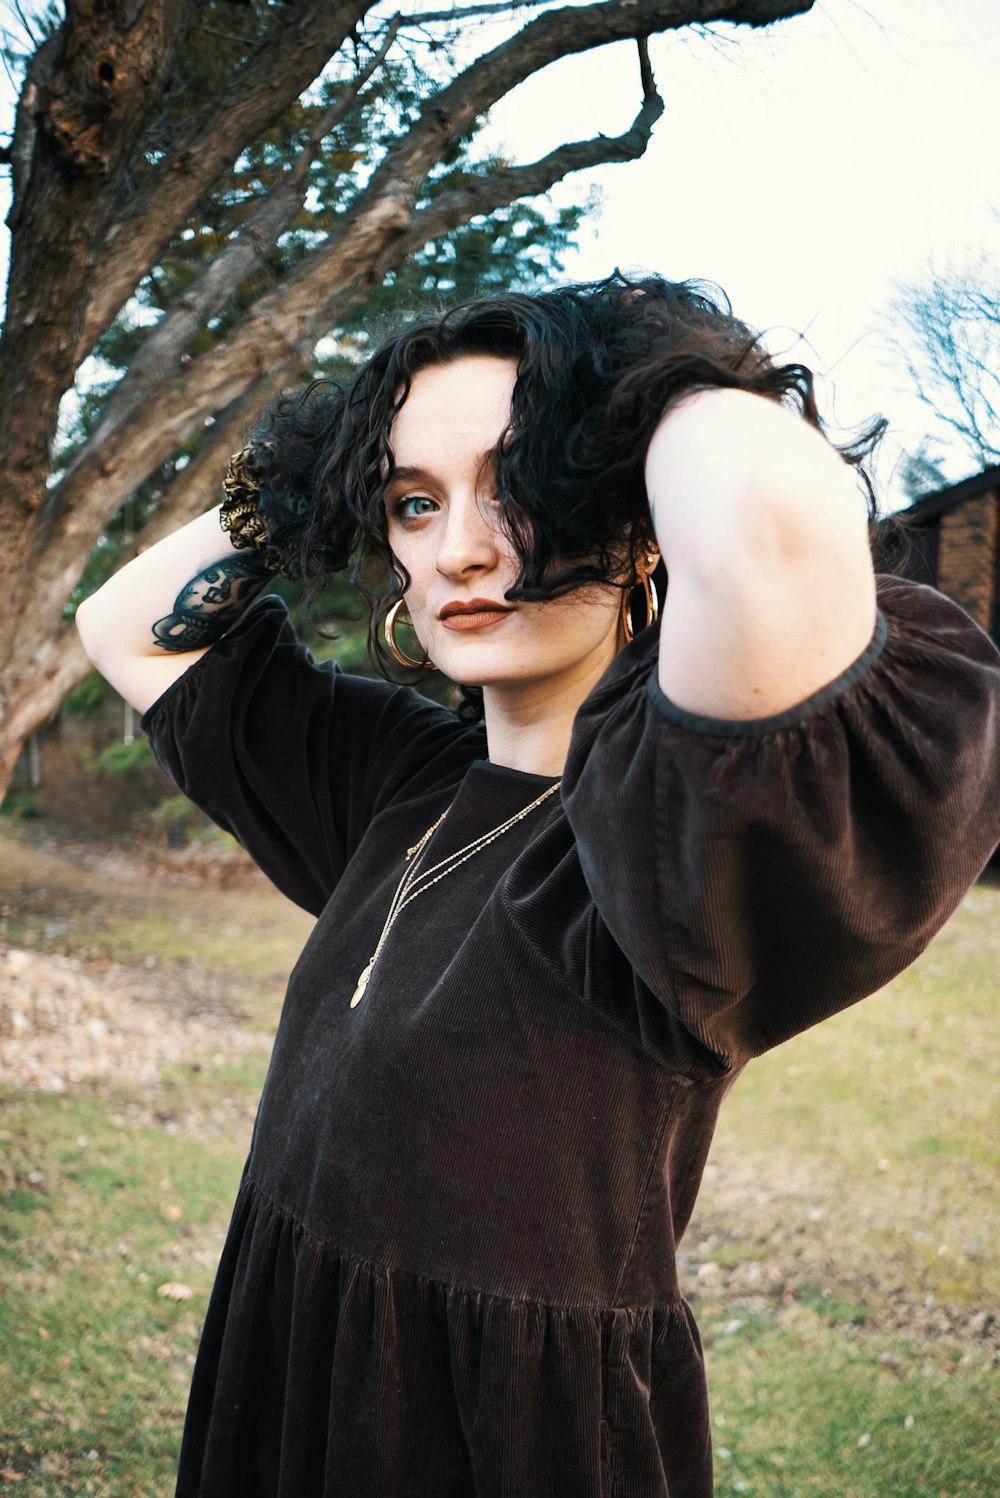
451 1266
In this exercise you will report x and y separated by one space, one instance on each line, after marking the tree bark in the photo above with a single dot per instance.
259 93
91 90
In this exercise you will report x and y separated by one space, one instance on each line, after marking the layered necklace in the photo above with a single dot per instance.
414 882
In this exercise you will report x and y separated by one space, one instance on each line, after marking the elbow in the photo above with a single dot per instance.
83 627
91 626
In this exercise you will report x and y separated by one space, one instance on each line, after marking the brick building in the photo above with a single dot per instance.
953 542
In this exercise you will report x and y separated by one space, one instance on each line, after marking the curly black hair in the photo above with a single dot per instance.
598 365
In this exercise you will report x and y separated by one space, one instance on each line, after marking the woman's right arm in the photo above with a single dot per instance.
154 618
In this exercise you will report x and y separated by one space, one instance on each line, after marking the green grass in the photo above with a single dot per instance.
880 1125
854 1173
97 1363
858 1164
806 1408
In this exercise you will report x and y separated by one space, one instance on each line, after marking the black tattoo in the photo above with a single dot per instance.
211 603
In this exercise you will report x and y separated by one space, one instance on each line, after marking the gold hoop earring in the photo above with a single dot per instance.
645 580
399 655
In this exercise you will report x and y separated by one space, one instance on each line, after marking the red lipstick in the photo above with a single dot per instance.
473 613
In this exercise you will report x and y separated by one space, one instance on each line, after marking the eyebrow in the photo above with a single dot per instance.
405 473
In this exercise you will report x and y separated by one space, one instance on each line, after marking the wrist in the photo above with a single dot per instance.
239 513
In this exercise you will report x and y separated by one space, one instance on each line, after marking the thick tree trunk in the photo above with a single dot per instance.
91 90
37 676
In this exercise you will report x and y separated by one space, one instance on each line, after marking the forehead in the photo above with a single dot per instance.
454 408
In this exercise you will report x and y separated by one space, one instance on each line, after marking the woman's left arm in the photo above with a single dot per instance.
764 533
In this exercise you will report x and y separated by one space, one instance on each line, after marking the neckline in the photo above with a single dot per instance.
507 772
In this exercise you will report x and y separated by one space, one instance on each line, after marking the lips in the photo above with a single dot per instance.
473 613
474 606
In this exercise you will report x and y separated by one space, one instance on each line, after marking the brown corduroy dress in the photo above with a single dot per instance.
451 1267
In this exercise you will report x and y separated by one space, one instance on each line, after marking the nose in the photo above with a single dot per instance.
470 539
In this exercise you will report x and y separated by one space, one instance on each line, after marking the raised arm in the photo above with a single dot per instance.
765 538
152 620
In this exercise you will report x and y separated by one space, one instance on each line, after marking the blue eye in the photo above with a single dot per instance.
401 510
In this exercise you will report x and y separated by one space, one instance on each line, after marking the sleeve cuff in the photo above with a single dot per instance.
798 713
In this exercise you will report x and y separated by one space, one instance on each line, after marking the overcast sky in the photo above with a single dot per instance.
803 168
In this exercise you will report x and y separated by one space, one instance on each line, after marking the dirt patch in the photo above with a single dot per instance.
66 1019
213 860
776 1245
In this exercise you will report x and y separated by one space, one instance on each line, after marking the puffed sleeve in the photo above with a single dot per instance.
293 758
762 875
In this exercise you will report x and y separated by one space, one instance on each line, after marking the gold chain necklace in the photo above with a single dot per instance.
413 883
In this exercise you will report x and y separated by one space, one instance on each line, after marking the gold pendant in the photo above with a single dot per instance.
359 992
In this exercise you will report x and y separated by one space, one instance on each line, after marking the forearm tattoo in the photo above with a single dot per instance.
211 603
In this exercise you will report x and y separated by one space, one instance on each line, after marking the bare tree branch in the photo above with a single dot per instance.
504 185
207 143
459 12
349 96
165 347
25 23
945 332
226 273
559 33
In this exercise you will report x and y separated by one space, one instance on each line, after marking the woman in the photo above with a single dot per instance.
552 926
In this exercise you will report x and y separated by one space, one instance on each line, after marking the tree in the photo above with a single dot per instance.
945 332
317 147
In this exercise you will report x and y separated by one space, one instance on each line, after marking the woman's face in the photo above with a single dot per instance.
443 526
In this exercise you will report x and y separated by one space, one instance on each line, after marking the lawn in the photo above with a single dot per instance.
842 1263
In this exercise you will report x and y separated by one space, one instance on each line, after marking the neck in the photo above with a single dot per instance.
529 724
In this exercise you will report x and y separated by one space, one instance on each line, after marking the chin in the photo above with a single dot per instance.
468 675
479 665
504 674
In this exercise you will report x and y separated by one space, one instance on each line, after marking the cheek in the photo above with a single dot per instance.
580 623
420 576
406 556
597 609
